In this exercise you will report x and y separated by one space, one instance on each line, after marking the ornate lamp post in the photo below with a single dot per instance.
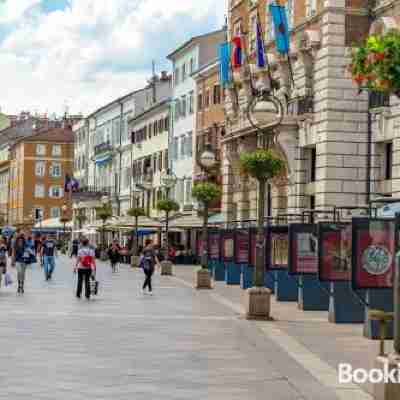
205 192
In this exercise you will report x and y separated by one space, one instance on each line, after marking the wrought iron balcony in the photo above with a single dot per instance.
105 147
92 193
379 99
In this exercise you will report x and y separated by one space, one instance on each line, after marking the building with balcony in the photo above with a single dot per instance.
38 167
330 159
186 60
150 138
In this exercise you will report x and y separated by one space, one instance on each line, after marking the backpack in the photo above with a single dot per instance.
87 261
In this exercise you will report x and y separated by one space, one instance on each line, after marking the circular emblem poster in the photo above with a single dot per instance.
376 260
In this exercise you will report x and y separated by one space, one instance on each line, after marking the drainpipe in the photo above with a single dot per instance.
369 150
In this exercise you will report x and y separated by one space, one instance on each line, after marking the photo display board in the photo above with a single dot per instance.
277 248
334 252
227 245
214 245
242 246
373 257
303 249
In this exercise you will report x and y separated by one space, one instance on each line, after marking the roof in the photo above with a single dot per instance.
122 98
54 135
149 110
191 42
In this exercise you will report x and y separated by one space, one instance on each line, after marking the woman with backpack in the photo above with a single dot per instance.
148 262
85 267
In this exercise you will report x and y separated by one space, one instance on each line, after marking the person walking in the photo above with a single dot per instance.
3 258
21 257
85 267
74 248
48 253
148 261
114 255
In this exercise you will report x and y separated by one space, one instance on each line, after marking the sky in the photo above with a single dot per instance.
80 54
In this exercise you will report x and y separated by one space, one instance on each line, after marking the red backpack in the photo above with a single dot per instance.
87 261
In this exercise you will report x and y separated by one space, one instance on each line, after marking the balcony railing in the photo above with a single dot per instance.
93 193
103 148
301 106
379 99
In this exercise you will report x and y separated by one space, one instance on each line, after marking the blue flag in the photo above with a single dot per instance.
281 27
260 47
224 60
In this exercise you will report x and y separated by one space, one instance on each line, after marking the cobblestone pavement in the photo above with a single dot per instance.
178 344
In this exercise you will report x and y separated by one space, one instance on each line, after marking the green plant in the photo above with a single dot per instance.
104 212
262 164
376 65
206 192
136 212
167 206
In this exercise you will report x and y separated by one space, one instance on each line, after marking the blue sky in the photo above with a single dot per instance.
84 53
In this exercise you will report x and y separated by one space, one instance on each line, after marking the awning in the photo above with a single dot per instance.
103 159
53 224
216 219
142 232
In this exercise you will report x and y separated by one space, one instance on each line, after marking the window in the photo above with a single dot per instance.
388 160
183 146
166 123
166 159
191 102
175 148
155 128
160 161
176 73
56 150
40 168
55 170
188 196
177 109
183 106
56 192
55 212
207 99
200 101
217 94
311 8
160 125
189 144
39 190
313 164
41 149
191 68
183 72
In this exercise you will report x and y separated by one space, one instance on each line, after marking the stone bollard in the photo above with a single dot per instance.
166 268
203 279
258 304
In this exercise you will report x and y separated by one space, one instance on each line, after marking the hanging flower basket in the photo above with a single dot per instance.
376 65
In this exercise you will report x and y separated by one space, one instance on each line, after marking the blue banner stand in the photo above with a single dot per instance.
219 271
247 274
312 297
270 281
344 307
379 299
286 287
232 273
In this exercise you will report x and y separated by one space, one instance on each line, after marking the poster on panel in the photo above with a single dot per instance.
373 257
214 245
242 246
227 245
277 248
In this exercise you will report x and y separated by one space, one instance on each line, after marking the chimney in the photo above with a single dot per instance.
164 76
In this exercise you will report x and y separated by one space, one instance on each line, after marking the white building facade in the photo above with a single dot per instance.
186 60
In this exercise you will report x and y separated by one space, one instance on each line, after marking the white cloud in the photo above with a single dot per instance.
11 10
94 50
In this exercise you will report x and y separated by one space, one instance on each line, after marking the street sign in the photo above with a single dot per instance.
242 246
334 252
303 252
373 255
277 248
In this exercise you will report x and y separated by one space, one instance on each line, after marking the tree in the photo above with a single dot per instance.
263 165
136 212
104 213
168 206
206 192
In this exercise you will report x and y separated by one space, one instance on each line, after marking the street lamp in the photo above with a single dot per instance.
168 180
207 161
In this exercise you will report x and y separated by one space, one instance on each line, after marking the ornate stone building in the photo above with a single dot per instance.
324 134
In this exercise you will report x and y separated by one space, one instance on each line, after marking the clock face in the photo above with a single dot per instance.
376 260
